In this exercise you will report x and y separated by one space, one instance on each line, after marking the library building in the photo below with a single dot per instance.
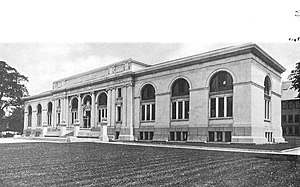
231 94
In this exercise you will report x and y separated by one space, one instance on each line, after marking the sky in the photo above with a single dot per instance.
50 40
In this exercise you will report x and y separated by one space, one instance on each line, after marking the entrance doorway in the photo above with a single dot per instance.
87 120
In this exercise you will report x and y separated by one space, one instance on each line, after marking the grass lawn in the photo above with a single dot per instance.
92 164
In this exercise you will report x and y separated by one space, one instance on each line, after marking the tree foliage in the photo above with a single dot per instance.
295 78
12 89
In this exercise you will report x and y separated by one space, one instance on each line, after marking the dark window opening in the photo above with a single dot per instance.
172 136
211 136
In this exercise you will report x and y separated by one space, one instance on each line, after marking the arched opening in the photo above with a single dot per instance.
74 110
49 114
267 97
148 110
148 103
221 95
39 115
102 107
180 92
29 116
221 103
87 101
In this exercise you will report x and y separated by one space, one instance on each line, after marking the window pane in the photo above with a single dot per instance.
153 111
219 136
186 109
290 118
221 107
211 136
297 118
148 92
146 135
283 118
178 136
297 104
213 107
141 135
229 106
143 112
283 105
151 135
290 104
174 110
148 112
180 109
172 136
185 135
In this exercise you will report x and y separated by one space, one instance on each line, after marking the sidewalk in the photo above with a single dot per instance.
294 151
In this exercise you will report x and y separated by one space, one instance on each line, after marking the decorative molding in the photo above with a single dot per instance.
165 93
199 89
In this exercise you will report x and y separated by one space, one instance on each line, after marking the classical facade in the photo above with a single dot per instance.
231 94
290 110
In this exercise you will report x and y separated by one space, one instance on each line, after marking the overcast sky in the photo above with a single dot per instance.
49 40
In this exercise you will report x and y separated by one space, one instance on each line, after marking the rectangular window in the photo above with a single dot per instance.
221 107
283 131
291 103
153 111
49 119
296 130
219 136
297 104
59 102
228 136
143 112
172 136
178 136
119 92
283 105
187 110
290 118
297 120
58 118
174 110
184 135
211 136
213 107
283 118
180 109
146 135
119 114
151 135
29 120
290 130
141 135
267 109
229 106
148 112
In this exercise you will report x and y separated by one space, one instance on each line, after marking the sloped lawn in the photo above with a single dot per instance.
92 164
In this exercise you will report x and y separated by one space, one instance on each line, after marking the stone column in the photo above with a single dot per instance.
67 111
93 110
124 103
113 107
130 112
79 111
54 113
109 107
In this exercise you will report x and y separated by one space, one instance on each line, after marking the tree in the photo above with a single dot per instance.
12 90
16 120
295 78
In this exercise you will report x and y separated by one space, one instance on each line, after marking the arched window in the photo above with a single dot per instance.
39 115
221 95
87 102
74 110
180 92
102 107
148 103
49 114
29 116
267 97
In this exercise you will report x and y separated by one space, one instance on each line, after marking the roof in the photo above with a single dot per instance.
287 93
181 62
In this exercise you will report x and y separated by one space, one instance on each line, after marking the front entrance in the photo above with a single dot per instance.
87 119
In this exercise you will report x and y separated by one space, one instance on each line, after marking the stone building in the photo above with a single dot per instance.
290 110
231 94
